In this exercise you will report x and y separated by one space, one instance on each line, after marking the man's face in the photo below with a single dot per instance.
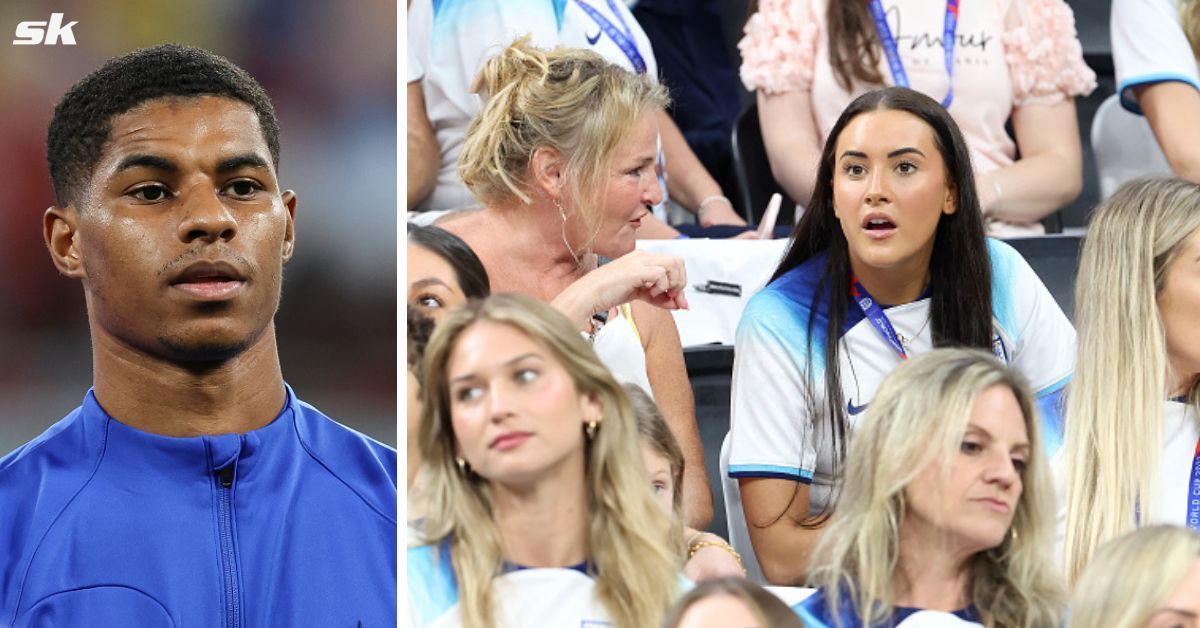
181 233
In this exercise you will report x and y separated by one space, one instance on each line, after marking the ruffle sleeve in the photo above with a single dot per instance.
779 48
1045 58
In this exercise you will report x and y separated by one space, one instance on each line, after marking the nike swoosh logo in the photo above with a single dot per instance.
592 40
855 410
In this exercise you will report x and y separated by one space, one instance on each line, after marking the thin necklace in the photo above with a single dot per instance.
905 341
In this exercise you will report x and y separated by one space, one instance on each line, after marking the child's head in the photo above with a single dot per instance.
664 459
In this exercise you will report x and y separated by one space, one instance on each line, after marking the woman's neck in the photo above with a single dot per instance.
895 285
528 241
931 574
545 524
1179 385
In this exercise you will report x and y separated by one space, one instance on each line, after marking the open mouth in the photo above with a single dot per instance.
879 224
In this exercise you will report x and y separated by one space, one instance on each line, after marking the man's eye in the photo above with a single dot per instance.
242 188
150 193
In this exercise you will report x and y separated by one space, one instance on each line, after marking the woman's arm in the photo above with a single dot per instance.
783 547
688 183
1049 173
423 157
1173 110
791 139
673 394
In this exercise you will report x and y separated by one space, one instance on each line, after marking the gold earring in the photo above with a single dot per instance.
591 428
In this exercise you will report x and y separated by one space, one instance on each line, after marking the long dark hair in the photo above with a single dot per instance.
960 275
468 270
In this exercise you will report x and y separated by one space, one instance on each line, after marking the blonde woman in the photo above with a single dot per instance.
1154 47
947 505
1132 426
562 158
539 513
1146 579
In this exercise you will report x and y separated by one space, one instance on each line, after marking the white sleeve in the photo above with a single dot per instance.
420 27
770 435
1040 340
1149 46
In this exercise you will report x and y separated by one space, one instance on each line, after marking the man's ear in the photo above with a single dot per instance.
289 236
60 231
547 167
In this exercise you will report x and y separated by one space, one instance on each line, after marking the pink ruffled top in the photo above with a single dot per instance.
1008 53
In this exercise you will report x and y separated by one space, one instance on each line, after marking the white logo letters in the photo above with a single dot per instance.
39 32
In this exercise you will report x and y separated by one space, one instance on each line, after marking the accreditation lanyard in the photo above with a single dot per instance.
949 28
874 313
1193 496
622 36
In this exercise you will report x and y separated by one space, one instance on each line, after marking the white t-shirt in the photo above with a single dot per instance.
465 33
1149 46
770 434
524 597
1181 432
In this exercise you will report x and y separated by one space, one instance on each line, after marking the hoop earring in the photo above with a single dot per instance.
563 214
590 429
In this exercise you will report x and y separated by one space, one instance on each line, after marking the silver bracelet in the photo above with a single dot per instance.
715 197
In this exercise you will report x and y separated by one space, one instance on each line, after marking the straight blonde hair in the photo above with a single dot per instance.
570 100
634 546
1189 18
1114 420
918 418
1131 576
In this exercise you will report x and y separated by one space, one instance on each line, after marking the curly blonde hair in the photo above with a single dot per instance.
570 100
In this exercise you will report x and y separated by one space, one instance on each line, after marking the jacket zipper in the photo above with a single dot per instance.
225 526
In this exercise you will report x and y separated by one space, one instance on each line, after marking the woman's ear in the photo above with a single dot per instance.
548 167
950 205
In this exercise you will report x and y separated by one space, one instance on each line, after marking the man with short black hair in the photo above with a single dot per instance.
192 487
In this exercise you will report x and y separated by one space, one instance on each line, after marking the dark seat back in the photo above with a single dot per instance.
753 171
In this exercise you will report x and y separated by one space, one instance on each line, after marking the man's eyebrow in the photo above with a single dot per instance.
240 161
147 161
905 150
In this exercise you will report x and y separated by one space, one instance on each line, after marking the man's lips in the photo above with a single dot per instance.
509 440
210 281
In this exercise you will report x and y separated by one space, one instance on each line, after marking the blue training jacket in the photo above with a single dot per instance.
289 525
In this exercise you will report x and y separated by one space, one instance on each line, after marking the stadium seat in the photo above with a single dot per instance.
739 536
1055 259
1124 147
753 171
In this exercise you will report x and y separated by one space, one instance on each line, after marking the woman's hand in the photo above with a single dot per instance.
712 558
656 278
